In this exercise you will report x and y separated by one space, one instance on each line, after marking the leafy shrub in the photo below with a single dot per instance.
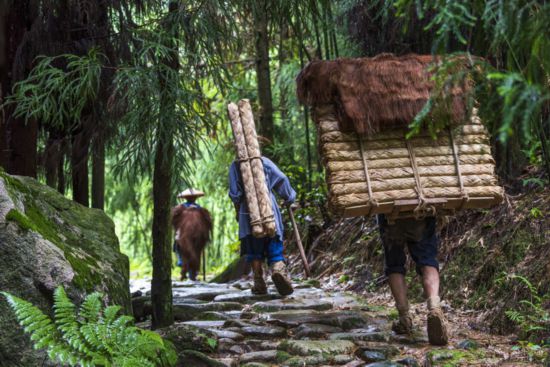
93 336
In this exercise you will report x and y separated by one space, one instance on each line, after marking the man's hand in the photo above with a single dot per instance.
294 206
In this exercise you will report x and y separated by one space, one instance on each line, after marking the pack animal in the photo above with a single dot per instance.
193 228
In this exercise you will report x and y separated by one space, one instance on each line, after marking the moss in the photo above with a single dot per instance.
21 219
282 356
453 357
85 274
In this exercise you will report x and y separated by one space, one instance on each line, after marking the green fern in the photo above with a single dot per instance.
92 336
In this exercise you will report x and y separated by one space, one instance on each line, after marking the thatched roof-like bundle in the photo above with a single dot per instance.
362 108
372 94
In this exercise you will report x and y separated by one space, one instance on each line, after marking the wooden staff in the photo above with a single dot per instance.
299 242
204 265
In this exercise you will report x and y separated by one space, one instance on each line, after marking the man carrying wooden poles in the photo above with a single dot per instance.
252 180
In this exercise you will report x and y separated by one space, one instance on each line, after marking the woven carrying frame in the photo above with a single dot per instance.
399 177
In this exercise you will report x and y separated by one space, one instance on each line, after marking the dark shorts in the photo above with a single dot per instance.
419 235
262 248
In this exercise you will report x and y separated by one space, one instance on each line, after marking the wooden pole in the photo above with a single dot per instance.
299 242
204 265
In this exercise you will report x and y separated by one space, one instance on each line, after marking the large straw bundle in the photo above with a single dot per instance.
362 108
386 173
257 195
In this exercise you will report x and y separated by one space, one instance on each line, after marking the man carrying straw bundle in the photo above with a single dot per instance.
419 235
257 250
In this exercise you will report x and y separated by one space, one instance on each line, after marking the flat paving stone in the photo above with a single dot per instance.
312 347
227 334
264 331
245 297
202 293
260 356
362 334
292 318
205 324
187 312
314 331
292 304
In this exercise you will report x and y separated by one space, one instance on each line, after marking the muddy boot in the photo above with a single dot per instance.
280 278
437 325
403 325
259 283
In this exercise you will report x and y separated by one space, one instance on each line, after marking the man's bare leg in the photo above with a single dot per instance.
398 287
437 329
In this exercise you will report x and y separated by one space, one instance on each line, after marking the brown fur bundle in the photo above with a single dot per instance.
195 228
372 94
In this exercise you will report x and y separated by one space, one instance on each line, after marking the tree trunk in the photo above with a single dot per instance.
18 140
22 141
161 284
263 77
98 173
61 183
79 167
52 155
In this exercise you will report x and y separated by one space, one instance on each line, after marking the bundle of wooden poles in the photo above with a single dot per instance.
258 199
362 108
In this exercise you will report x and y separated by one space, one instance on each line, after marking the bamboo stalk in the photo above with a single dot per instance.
262 192
246 171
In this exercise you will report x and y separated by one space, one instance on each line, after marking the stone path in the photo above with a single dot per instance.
225 325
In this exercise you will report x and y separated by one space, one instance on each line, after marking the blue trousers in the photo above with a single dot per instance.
262 248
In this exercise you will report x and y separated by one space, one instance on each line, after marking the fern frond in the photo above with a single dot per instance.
66 321
91 308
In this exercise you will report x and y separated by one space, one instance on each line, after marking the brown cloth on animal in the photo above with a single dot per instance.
193 228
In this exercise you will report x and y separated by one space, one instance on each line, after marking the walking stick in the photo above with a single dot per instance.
299 242
204 265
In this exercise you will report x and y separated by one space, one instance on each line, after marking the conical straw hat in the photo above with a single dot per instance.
190 193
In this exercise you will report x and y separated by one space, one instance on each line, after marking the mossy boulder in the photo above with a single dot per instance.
47 240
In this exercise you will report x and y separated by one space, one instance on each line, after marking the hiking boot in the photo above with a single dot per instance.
280 278
403 326
437 325
259 282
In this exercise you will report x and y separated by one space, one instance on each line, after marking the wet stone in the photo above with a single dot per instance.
259 344
468 344
342 359
239 349
409 361
384 364
204 293
245 297
236 323
226 334
292 304
205 324
221 315
293 318
255 364
261 356
314 331
187 311
264 331
312 347
371 356
361 335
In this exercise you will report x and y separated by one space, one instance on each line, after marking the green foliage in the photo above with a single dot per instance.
93 336
511 84
58 88
531 314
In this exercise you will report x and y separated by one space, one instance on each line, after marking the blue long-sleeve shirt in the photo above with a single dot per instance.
276 181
